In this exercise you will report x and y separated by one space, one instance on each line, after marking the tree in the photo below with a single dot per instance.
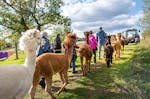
20 15
2 44
14 39
146 9
61 29
146 18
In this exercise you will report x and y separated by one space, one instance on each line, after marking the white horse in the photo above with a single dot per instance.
16 79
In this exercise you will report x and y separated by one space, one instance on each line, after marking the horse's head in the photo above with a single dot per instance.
113 38
119 35
70 40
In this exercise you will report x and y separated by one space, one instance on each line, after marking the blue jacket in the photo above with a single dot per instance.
45 48
101 35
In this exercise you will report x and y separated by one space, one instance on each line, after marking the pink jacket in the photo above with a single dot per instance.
92 41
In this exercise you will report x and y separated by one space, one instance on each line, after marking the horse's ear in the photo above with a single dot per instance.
34 33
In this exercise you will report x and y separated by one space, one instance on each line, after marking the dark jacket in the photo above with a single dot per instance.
44 48
57 43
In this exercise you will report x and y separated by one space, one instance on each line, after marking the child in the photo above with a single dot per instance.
93 44
74 57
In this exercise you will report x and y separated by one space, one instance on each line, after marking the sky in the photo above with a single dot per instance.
113 15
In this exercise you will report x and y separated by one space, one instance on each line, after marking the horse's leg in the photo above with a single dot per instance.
61 77
35 82
115 52
119 53
82 66
86 66
90 63
87 63
111 57
65 76
114 55
48 87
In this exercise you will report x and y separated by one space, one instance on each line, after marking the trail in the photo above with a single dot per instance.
100 83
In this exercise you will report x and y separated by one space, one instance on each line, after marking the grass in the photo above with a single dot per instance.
12 59
128 78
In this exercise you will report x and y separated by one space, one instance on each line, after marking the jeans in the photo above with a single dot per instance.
73 61
99 49
94 53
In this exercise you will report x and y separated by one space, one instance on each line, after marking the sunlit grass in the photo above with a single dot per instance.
12 59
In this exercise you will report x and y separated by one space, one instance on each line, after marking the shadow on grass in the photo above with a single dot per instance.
127 80
123 80
95 85
122 58
86 93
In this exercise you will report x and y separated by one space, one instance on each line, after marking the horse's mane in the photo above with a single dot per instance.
70 37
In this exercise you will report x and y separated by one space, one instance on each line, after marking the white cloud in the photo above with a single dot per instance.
113 15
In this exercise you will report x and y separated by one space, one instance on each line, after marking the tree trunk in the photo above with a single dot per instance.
39 27
16 49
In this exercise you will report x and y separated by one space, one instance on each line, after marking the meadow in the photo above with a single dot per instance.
127 78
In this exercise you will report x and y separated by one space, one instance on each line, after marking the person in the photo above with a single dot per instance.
57 44
101 35
45 48
93 44
74 57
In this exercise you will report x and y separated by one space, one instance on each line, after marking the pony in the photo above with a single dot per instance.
86 52
116 46
48 64
108 51
122 41
16 79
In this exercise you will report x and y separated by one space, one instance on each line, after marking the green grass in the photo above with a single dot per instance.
127 78
12 59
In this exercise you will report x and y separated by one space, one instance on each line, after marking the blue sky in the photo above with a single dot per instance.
114 15
138 7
